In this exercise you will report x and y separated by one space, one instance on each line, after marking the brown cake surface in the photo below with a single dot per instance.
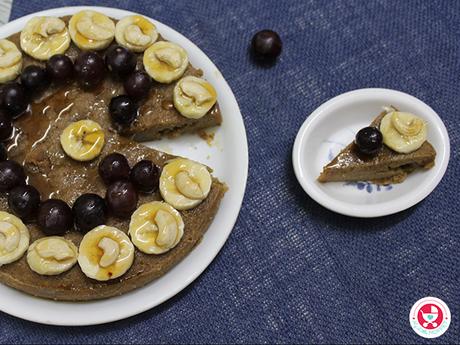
36 144
157 114
386 167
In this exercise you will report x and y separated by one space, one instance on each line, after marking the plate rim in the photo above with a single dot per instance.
365 211
239 189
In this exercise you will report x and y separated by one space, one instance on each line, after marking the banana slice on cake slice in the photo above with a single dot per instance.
193 97
52 255
135 33
105 253
43 37
91 30
184 184
165 61
10 61
83 140
403 132
156 227
14 238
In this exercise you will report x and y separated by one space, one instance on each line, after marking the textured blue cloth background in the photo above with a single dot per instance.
293 271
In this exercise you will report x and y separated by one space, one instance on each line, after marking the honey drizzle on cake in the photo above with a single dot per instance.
36 144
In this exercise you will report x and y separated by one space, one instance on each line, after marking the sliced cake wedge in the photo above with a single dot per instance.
386 167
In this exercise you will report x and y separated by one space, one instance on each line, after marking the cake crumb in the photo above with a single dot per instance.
208 137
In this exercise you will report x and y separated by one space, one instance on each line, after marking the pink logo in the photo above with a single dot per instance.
430 317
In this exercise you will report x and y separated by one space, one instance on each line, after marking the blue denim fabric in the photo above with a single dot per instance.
292 271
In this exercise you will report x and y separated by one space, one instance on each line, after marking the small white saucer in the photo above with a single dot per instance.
334 124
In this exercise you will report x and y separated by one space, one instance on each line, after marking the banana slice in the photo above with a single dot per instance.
91 30
14 238
403 132
156 227
105 253
165 61
83 140
184 184
10 61
135 33
52 255
194 97
43 37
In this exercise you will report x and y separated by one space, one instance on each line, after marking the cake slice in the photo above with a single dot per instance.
386 167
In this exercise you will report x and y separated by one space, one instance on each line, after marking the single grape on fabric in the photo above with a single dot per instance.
266 45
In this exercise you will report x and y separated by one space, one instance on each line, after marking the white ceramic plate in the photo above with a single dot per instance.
334 124
228 156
